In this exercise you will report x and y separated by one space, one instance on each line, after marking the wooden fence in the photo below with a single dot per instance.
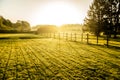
84 38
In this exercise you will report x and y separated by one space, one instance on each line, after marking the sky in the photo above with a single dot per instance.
36 12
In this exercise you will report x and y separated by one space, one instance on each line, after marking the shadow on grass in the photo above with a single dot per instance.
97 74
115 48
26 37
94 72
4 38
102 48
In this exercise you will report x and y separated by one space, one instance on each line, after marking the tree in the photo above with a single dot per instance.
104 16
116 17
22 26
112 12
7 26
26 26
93 21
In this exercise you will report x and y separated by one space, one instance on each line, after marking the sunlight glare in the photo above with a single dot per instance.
58 13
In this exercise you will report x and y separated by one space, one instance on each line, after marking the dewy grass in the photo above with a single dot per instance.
48 59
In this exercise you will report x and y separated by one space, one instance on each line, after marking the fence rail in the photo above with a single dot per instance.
84 38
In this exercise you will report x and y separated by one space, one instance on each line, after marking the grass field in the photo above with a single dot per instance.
53 59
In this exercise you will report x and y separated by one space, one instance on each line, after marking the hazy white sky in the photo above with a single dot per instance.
45 11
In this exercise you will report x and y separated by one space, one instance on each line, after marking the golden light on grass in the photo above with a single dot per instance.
58 13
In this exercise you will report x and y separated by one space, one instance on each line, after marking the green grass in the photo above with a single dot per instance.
19 36
53 59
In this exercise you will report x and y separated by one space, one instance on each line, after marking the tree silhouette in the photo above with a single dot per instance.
104 16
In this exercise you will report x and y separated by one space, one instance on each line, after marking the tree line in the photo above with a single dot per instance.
53 28
46 28
103 17
6 26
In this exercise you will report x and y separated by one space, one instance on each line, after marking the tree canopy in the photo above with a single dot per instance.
7 26
104 16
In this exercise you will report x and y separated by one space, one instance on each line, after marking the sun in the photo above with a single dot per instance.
58 13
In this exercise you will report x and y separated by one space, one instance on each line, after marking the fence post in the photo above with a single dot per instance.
59 36
87 38
50 35
54 35
97 38
41 34
66 36
75 36
82 37
63 35
107 40
47 35
71 36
